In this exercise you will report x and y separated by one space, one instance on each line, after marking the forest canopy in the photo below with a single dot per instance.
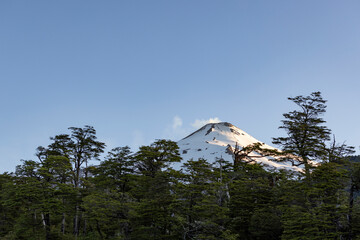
139 195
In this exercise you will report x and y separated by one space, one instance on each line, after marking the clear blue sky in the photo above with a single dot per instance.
144 70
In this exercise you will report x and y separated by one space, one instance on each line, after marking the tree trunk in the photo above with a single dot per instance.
85 224
351 204
76 221
63 224
77 207
98 229
46 222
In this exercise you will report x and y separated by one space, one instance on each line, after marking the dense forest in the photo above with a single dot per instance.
138 195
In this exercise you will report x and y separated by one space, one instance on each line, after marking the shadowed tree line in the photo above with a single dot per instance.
138 195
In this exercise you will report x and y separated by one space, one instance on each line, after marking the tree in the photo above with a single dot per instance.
79 147
201 209
9 210
157 157
318 210
151 215
55 176
306 138
38 191
245 154
252 206
108 203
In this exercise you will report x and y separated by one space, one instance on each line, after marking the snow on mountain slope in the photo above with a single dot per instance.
212 141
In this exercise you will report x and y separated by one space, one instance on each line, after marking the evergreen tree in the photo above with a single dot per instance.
354 188
252 204
80 147
201 207
151 215
306 138
9 209
316 210
39 193
107 205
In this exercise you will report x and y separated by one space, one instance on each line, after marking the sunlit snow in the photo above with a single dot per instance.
212 140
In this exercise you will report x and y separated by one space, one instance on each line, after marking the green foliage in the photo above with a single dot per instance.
38 193
108 203
151 214
157 157
252 196
201 207
318 210
306 134
139 196
9 210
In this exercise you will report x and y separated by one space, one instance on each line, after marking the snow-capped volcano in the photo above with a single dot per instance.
218 140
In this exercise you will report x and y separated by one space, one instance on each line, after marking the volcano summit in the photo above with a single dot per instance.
218 140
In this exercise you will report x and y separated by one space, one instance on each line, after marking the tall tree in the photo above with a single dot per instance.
151 215
252 206
108 203
79 147
317 210
55 176
157 157
39 193
306 138
201 206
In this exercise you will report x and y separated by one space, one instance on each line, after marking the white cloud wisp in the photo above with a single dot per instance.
201 122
